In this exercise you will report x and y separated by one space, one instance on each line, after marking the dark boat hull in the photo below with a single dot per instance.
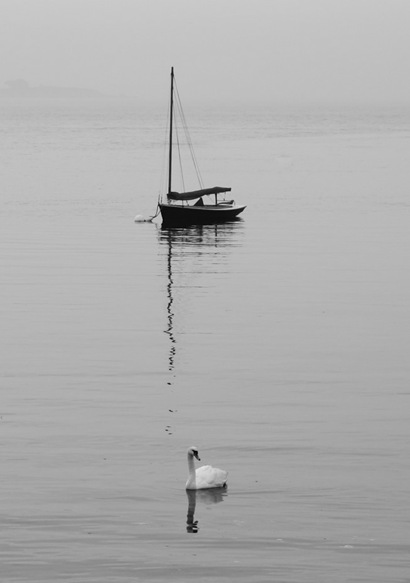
179 215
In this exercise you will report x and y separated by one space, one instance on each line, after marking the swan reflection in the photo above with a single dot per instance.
207 497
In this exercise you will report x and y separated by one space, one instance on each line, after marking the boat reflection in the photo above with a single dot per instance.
207 497
216 235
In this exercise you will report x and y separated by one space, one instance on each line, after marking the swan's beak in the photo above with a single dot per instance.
197 456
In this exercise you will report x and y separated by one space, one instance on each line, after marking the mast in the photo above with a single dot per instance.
171 116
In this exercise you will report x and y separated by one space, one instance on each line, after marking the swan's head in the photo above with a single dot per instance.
193 452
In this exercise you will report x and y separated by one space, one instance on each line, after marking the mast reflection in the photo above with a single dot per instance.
170 314
187 242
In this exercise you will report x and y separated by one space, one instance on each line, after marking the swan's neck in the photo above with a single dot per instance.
191 467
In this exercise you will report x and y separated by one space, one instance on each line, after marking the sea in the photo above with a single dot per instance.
277 344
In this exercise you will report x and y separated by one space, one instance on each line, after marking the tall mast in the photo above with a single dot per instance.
171 116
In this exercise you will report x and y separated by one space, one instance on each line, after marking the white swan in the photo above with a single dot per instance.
205 476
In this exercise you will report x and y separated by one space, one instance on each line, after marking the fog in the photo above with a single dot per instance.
222 50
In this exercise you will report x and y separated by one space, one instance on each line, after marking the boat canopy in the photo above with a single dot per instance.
197 193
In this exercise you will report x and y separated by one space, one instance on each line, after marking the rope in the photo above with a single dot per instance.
157 211
140 218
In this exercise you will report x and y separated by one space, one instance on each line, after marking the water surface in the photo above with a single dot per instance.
277 344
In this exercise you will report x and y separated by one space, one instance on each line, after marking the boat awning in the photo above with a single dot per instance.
197 193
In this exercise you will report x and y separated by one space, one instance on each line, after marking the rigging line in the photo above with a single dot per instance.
191 147
179 157
162 184
187 135
189 143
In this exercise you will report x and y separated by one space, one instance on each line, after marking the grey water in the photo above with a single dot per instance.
277 344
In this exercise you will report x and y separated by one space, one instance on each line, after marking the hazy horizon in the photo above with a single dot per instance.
227 51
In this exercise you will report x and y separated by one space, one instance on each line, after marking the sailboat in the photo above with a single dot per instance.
194 207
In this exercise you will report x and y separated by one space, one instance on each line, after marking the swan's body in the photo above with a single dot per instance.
205 476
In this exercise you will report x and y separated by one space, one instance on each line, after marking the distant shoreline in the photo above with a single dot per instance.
49 91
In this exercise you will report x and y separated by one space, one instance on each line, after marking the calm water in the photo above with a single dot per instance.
277 344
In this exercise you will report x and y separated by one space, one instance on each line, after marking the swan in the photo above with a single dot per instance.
205 476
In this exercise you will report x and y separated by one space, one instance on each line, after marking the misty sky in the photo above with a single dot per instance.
222 50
